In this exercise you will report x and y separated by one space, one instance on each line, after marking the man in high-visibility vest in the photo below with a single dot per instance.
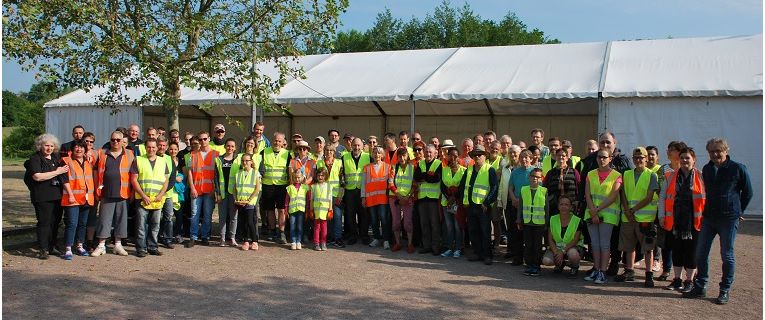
478 190
218 143
149 176
201 182
428 174
262 142
494 158
548 162
639 202
356 218
274 170
113 191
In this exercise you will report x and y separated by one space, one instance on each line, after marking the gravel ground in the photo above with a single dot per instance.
355 282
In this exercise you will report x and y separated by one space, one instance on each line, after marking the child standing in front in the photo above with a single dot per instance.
296 201
533 205
246 190
321 208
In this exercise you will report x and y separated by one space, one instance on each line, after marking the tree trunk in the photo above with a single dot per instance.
171 105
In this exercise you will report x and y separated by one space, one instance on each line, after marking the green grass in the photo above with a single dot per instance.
13 161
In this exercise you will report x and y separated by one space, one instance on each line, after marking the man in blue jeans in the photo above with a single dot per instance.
729 191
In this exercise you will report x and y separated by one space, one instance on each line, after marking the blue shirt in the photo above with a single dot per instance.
519 177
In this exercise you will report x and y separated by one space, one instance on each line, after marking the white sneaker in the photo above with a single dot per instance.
100 250
119 250
386 245
374 243
293 246
299 246
656 266
233 243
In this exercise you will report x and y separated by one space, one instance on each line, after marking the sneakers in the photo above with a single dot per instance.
535 271
82 252
723 298
396 247
169 244
190 244
663 277
100 250
687 286
374 243
573 273
696 292
601 278
527 271
627 275
323 246
141 253
299 246
222 242
386 245
119 250
68 255
233 243
613 269
339 244
254 246
676 284
457 254
648 282
245 246
656 266
592 274
293 246
282 238
178 239
447 253
155 252
316 247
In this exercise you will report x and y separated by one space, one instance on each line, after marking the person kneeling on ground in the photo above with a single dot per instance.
565 237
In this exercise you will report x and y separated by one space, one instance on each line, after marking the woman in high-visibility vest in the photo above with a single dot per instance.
179 192
374 197
226 166
246 189
684 202
78 198
451 176
401 199
601 191
321 208
564 238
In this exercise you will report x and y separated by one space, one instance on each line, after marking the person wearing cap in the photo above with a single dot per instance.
302 162
348 142
318 155
428 175
478 191
639 202
218 141
356 219
295 139
450 203
569 147
274 170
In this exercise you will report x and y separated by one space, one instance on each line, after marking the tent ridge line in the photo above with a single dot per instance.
411 96
604 70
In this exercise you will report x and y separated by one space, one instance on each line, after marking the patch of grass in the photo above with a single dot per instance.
13 161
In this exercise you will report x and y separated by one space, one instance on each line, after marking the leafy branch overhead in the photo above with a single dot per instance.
162 45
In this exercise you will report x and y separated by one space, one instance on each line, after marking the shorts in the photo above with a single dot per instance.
629 235
273 197
496 214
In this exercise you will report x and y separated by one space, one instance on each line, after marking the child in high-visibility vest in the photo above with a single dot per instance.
296 203
321 208
533 206
246 190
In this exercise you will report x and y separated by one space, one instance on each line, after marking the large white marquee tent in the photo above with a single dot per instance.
647 92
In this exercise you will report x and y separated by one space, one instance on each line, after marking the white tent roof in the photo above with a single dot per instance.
376 83
697 67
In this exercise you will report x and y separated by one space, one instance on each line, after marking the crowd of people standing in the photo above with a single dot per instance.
544 203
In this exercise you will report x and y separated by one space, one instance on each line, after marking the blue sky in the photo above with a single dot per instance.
567 20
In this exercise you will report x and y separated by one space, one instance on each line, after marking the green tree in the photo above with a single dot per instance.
446 27
163 45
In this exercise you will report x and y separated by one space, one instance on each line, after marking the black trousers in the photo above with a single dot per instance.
616 255
416 227
355 216
479 224
515 236
49 214
248 219
532 240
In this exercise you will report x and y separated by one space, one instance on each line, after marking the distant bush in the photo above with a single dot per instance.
20 143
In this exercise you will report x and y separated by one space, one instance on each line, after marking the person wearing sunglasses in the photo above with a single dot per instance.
478 190
218 142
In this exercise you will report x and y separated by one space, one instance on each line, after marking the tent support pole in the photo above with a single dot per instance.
382 113
414 112
492 120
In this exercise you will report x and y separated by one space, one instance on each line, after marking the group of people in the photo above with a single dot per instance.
548 206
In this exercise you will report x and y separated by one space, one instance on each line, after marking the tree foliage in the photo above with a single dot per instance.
446 27
163 45
24 112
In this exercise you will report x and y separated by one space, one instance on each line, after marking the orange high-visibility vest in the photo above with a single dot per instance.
376 184
81 183
306 167
125 162
203 171
699 199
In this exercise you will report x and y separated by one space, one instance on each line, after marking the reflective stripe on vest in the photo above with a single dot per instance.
275 165
451 180
426 189
533 208
352 172
151 179
245 185
125 162
636 193
297 198
480 188
546 165
321 201
80 182
404 179
203 171
599 193
573 225
699 200
334 175
376 184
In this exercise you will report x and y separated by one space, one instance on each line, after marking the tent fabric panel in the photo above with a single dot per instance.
444 127
587 106
513 72
362 127
693 120
368 76
436 108
100 121
330 109
719 66
576 128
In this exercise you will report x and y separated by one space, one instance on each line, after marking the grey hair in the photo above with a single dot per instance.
431 146
516 148
506 137
718 140
47 137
